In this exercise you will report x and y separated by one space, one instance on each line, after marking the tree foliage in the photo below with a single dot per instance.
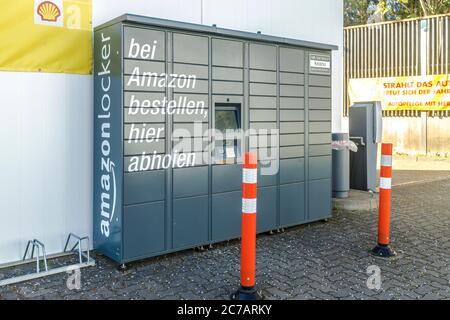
370 11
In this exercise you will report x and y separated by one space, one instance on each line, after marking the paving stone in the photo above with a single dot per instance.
314 261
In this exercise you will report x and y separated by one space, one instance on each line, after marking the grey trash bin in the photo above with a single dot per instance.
341 166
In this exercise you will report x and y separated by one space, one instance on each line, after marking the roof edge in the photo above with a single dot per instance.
188 26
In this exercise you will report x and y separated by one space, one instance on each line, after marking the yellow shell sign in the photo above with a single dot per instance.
46 36
403 93
48 11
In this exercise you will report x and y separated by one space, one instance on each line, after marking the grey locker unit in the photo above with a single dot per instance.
266 82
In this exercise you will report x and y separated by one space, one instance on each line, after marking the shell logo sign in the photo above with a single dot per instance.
46 36
49 12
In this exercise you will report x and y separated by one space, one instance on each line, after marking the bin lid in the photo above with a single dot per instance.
339 136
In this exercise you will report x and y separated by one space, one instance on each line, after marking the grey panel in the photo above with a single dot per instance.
292 115
255 142
292 78
263 141
183 117
292 152
201 86
201 72
263 89
263 126
292 127
292 103
146 117
145 186
320 167
319 115
133 148
315 103
226 215
263 76
263 57
226 178
199 158
188 182
136 99
145 36
266 207
292 60
319 150
146 127
320 126
287 90
143 230
292 170
231 74
321 81
319 138
203 98
197 129
190 221
227 99
265 153
263 102
143 66
292 204
227 53
319 92
190 144
319 199
193 159
145 84
190 49
267 179
292 139
228 87
263 115
129 160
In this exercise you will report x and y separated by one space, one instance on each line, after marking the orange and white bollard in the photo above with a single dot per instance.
247 290
384 212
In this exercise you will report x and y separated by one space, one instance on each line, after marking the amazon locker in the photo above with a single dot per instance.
176 105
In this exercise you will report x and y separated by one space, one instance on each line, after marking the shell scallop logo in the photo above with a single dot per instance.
48 11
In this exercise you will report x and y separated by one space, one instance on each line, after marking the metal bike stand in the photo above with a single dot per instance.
40 248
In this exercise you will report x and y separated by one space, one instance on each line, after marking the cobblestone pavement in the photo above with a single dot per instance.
317 261
402 177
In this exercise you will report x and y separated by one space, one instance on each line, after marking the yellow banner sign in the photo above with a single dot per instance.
403 93
46 36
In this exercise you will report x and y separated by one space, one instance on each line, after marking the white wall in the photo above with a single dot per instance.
45 160
46 119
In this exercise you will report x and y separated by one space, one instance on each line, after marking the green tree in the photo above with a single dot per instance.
356 12
370 11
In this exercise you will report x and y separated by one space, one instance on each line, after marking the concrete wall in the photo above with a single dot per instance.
46 119
418 135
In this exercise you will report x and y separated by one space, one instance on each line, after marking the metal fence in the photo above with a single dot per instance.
394 49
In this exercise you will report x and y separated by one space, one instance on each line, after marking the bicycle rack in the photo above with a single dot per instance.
39 247
79 242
